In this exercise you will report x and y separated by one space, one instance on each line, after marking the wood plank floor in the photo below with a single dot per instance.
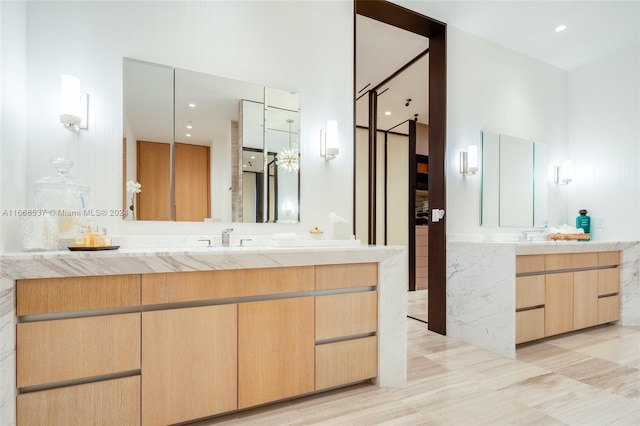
585 378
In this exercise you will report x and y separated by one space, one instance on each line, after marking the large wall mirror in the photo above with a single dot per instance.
209 148
514 181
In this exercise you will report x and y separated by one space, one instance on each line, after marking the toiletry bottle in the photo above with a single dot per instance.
584 222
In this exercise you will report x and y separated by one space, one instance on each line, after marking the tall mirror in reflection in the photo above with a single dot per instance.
209 148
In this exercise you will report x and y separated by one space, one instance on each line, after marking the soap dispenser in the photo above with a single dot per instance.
584 222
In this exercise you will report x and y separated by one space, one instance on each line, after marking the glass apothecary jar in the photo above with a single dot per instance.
64 198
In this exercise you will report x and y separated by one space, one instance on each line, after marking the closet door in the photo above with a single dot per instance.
192 182
154 202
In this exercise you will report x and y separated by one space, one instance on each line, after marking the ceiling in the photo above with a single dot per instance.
594 30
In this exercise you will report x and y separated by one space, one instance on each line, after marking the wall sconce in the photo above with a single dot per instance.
74 104
288 207
563 174
329 141
469 160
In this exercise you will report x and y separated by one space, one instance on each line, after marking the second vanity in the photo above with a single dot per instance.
500 294
163 337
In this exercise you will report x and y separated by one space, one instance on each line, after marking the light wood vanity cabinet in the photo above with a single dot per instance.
558 293
157 349
275 350
56 354
189 359
345 325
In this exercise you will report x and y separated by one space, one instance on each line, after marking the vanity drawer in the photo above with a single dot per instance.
346 276
68 349
532 263
609 258
278 280
191 286
110 402
348 314
529 291
554 262
608 309
53 295
529 325
344 362
608 281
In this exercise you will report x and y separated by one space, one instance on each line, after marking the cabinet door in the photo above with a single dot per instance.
585 299
276 348
189 363
110 402
558 312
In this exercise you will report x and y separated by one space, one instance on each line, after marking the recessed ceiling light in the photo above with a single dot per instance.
244 166
188 135
387 113
189 125
192 105
253 157
560 28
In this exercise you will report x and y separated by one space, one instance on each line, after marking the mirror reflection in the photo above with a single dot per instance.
514 181
208 148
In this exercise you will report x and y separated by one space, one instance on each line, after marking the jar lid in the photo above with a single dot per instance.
62 179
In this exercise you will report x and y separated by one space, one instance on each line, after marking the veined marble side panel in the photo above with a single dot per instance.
7 353
481 295
630 286
392 324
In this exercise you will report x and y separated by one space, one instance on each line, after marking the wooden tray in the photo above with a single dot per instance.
569 236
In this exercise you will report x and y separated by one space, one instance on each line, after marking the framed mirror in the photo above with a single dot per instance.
206 148
514 181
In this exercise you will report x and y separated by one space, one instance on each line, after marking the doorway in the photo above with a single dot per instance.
369 159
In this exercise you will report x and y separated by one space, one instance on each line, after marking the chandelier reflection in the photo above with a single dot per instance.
289 159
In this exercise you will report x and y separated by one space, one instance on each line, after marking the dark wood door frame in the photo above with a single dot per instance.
436 31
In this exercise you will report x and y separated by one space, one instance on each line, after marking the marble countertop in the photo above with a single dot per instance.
23 265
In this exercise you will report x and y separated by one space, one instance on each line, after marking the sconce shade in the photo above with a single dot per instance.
469 160
563 174
329 141
70 101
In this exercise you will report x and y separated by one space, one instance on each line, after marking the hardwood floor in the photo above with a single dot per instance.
590 377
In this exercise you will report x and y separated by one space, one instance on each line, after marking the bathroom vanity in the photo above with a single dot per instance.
500 294
161 337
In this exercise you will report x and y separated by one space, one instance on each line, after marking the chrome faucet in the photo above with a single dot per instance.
225 236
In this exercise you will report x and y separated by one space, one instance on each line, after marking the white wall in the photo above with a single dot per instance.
604 144
13 118
279 44
496 89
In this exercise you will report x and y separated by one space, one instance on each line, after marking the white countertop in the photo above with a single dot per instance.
22 265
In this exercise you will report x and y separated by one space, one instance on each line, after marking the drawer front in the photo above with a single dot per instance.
110 402
348 314
609 258
608 309
190 286
53 351
554 262
534 263
608 281
529 291
345 362
52 295
346 276
529 325
278 280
